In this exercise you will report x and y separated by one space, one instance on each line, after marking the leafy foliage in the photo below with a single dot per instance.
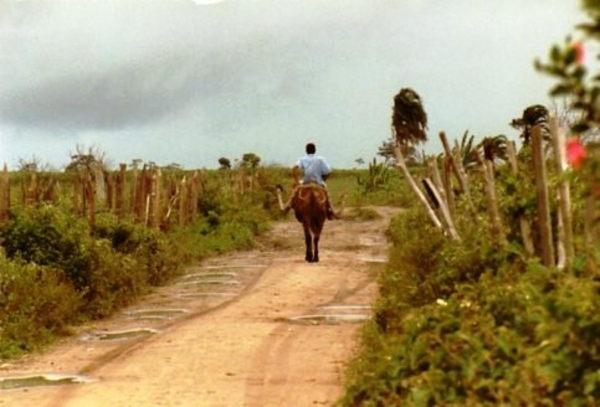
376 178
56 270
461 324
409 118
464 324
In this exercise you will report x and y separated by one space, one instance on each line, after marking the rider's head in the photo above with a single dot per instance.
311 148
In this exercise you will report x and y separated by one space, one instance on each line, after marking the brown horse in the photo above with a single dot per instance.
310 207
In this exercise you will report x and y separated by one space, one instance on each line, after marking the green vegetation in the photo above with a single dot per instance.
57 270
479 322
465 324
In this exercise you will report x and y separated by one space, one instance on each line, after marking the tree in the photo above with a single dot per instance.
31 165
409 119
250 160
410 152
224 163
82 159
465 149
532 116
493 148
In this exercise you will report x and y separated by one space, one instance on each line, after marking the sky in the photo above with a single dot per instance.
189 82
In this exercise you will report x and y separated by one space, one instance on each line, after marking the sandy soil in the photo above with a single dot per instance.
258 328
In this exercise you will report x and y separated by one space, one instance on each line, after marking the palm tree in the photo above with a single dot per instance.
409 119
464 152
494 147
532 116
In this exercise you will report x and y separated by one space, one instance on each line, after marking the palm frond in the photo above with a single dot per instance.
409 119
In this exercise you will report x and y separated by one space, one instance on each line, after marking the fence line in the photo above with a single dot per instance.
551 241
145 195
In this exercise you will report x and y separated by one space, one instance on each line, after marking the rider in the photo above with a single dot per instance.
316 170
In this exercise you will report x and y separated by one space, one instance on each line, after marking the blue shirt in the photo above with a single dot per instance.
314 167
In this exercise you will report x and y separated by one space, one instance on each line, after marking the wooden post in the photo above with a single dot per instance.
77 194
182 200
543 202
109 185
459 172
89 187
140 196
443 207
196 179
133 204
447 181
120 192
487 171
566 251
436 178
155 197
31 196
438 190
4 195
401 164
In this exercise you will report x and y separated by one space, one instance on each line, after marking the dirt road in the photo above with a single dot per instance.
255 329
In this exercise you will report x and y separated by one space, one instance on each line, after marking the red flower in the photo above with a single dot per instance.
575 152
579 52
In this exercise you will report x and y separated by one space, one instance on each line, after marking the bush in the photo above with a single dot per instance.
37 303
505 331
55 270
50 236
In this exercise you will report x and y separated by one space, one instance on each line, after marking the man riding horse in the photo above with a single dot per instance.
315 170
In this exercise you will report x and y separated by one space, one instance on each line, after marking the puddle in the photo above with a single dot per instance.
215 294
50 379
250 266
322 319
207 281
371 241
373 259
120 335
343 307
209 274
158 313
206 294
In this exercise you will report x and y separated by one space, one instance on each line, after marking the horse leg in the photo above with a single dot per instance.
308 242
316 248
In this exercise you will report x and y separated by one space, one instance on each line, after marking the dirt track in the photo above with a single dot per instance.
226 334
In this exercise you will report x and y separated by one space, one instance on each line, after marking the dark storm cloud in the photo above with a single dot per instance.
112 99
89 77
265 75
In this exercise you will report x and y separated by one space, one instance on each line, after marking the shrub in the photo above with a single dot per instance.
506 331
50 236
37 302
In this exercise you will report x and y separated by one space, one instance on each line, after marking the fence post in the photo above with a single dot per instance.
182 200
120 191
566 251
4 195
543 202
109 186
459 172
487 171
401 164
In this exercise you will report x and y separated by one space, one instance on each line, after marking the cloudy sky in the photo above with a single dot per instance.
185 82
